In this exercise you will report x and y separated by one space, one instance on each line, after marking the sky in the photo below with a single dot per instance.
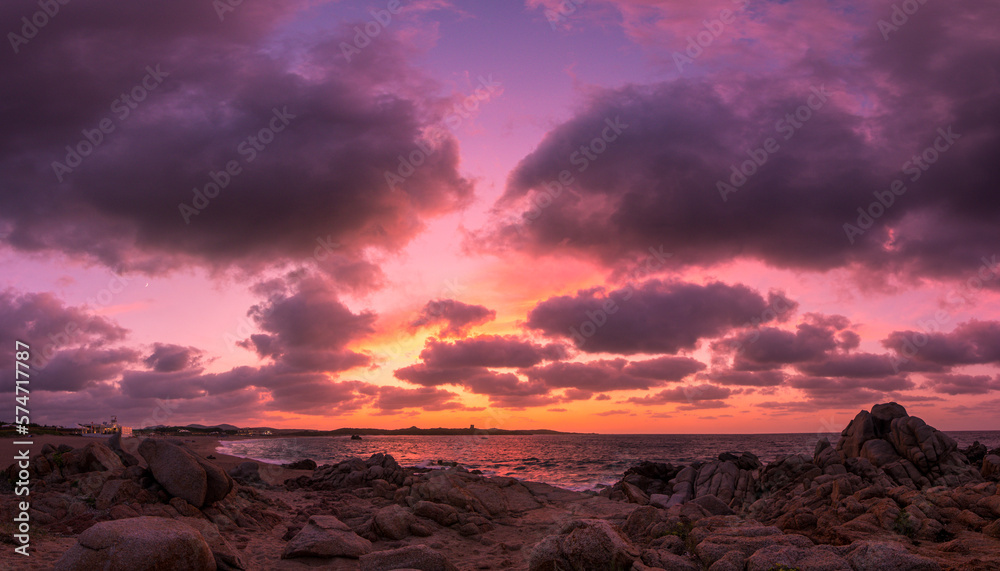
614 216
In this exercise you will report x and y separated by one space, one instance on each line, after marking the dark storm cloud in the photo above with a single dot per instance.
657 183
456 316
167 358
656 317
75 369
862 365
209 85
396 398
844 392
489 351
964 384
42 319
973 342
69 345
772 347
664 368
308 327
593 376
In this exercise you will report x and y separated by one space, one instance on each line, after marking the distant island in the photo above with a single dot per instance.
230 430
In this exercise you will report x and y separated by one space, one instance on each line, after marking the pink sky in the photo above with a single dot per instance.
316 290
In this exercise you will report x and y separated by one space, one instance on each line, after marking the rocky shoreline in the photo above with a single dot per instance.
892 494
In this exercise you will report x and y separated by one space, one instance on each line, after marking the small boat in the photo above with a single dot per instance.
355 437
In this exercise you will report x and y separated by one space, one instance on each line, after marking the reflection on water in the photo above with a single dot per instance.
575 461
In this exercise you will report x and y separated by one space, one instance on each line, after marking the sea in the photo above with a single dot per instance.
573 461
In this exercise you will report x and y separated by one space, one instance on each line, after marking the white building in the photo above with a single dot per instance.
94 429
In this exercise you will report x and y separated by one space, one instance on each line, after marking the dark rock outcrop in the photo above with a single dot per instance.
183 474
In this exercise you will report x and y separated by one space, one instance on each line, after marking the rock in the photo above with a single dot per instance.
151 543
246 473
306 464
732 561
992 530
713 505
887 556
393 522
116 492
326 536
975 452
854 436
583 544
923 445
416 557
664 559
94 457
443 514
991 467
819 558
226 557
745 539
183 474
659 500
634 494
879 452
884 414
639 521
115 444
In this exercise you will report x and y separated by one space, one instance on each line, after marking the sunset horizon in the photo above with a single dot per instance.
612 216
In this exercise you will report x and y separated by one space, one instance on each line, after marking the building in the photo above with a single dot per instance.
94 429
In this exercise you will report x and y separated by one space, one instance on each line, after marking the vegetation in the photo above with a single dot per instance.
904 525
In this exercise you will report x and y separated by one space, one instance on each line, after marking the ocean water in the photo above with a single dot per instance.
573 461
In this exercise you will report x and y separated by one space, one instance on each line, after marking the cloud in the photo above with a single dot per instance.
745 378
307 327
426 398
489 351
658 182
862 365
44 321
168 358
970 343
656 317
458 317
321 178
690 394
76 369
614 412
594 376
964 384
665 368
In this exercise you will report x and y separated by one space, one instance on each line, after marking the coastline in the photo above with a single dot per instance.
862 504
